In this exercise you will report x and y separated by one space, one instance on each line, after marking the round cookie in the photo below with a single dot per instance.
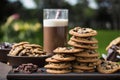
58 71
61 65
86 54
89 40
108 67
77 70
87 59
33 45
83 67
82 32
19 44
52 60
81 45
63 57
86 64
67 50
81 71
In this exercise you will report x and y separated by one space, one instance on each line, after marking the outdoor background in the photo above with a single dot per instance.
21 20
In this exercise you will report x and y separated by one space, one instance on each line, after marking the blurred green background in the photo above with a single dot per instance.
21 20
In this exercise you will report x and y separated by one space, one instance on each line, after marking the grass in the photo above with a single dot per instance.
105 37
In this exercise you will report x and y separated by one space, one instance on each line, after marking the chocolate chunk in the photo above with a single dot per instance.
112 54
26 68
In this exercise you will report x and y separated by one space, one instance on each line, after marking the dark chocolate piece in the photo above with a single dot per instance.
112 54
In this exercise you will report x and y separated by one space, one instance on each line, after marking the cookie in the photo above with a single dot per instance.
77 70
60 65
82 45
15 51
87 53
58 71
51 59
66 50
81 71
114 42
63 57
19 44
82 32
108 67
118 51
87 59
33 46
83 66
89 40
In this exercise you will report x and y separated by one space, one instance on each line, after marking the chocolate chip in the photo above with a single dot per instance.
74 30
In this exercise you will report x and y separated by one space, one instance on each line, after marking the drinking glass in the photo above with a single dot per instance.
55 24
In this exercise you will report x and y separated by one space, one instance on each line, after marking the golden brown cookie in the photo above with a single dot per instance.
51 59
67 50
82 45
114 42
108 67
87 59
63 57
81 71
58 71
87 53
33 46
89 40
19 44
15 51
77 70
83 66
59 65
82 32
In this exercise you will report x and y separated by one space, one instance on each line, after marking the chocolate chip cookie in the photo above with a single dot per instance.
63 57
87 53
89 40
82 32
58 65
108 67
67 50
82 45
58 71
87 59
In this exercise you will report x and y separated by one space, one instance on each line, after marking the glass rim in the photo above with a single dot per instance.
55 9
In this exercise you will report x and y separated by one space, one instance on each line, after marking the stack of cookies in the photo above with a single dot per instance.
61 61
87 59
